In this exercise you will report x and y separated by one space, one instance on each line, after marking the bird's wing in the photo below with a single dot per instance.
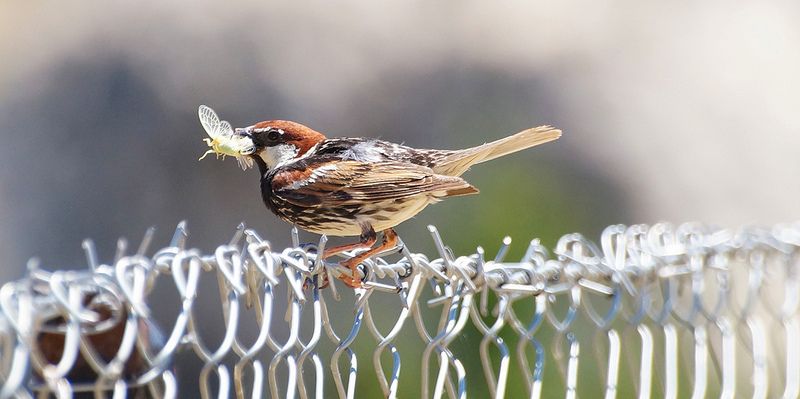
351 182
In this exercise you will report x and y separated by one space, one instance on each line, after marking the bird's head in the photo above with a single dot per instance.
279 142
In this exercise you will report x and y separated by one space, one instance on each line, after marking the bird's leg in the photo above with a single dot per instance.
366 240
389 241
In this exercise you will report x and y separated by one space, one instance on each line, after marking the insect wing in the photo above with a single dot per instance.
210 121
244 162
223 130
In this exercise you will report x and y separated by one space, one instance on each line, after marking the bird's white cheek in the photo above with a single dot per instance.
278 155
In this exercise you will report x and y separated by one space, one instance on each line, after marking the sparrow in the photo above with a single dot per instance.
359 186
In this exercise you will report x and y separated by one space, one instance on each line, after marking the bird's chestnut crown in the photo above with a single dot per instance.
272 133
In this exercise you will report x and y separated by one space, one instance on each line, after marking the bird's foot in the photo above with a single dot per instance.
308 283
352 264
390 240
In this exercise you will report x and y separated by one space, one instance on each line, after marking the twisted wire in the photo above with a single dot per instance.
657 298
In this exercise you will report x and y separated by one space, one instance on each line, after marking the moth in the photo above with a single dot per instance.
222 139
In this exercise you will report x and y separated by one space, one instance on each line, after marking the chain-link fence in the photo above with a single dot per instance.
659 311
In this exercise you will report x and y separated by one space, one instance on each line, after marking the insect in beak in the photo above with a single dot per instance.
223 140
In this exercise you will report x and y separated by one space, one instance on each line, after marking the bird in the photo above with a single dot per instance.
360 186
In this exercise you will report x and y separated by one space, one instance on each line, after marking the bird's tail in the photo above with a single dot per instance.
457 162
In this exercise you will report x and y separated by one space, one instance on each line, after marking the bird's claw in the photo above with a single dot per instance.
352 264
310 283
351 282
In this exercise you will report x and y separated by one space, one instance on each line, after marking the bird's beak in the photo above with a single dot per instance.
245 135
243 132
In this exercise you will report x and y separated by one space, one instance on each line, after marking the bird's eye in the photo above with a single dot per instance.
273 135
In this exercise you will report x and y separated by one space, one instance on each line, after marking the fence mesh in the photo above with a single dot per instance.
662 310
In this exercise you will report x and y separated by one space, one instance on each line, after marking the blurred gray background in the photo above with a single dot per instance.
671 111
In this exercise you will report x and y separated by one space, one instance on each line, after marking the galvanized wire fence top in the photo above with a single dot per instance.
659 310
